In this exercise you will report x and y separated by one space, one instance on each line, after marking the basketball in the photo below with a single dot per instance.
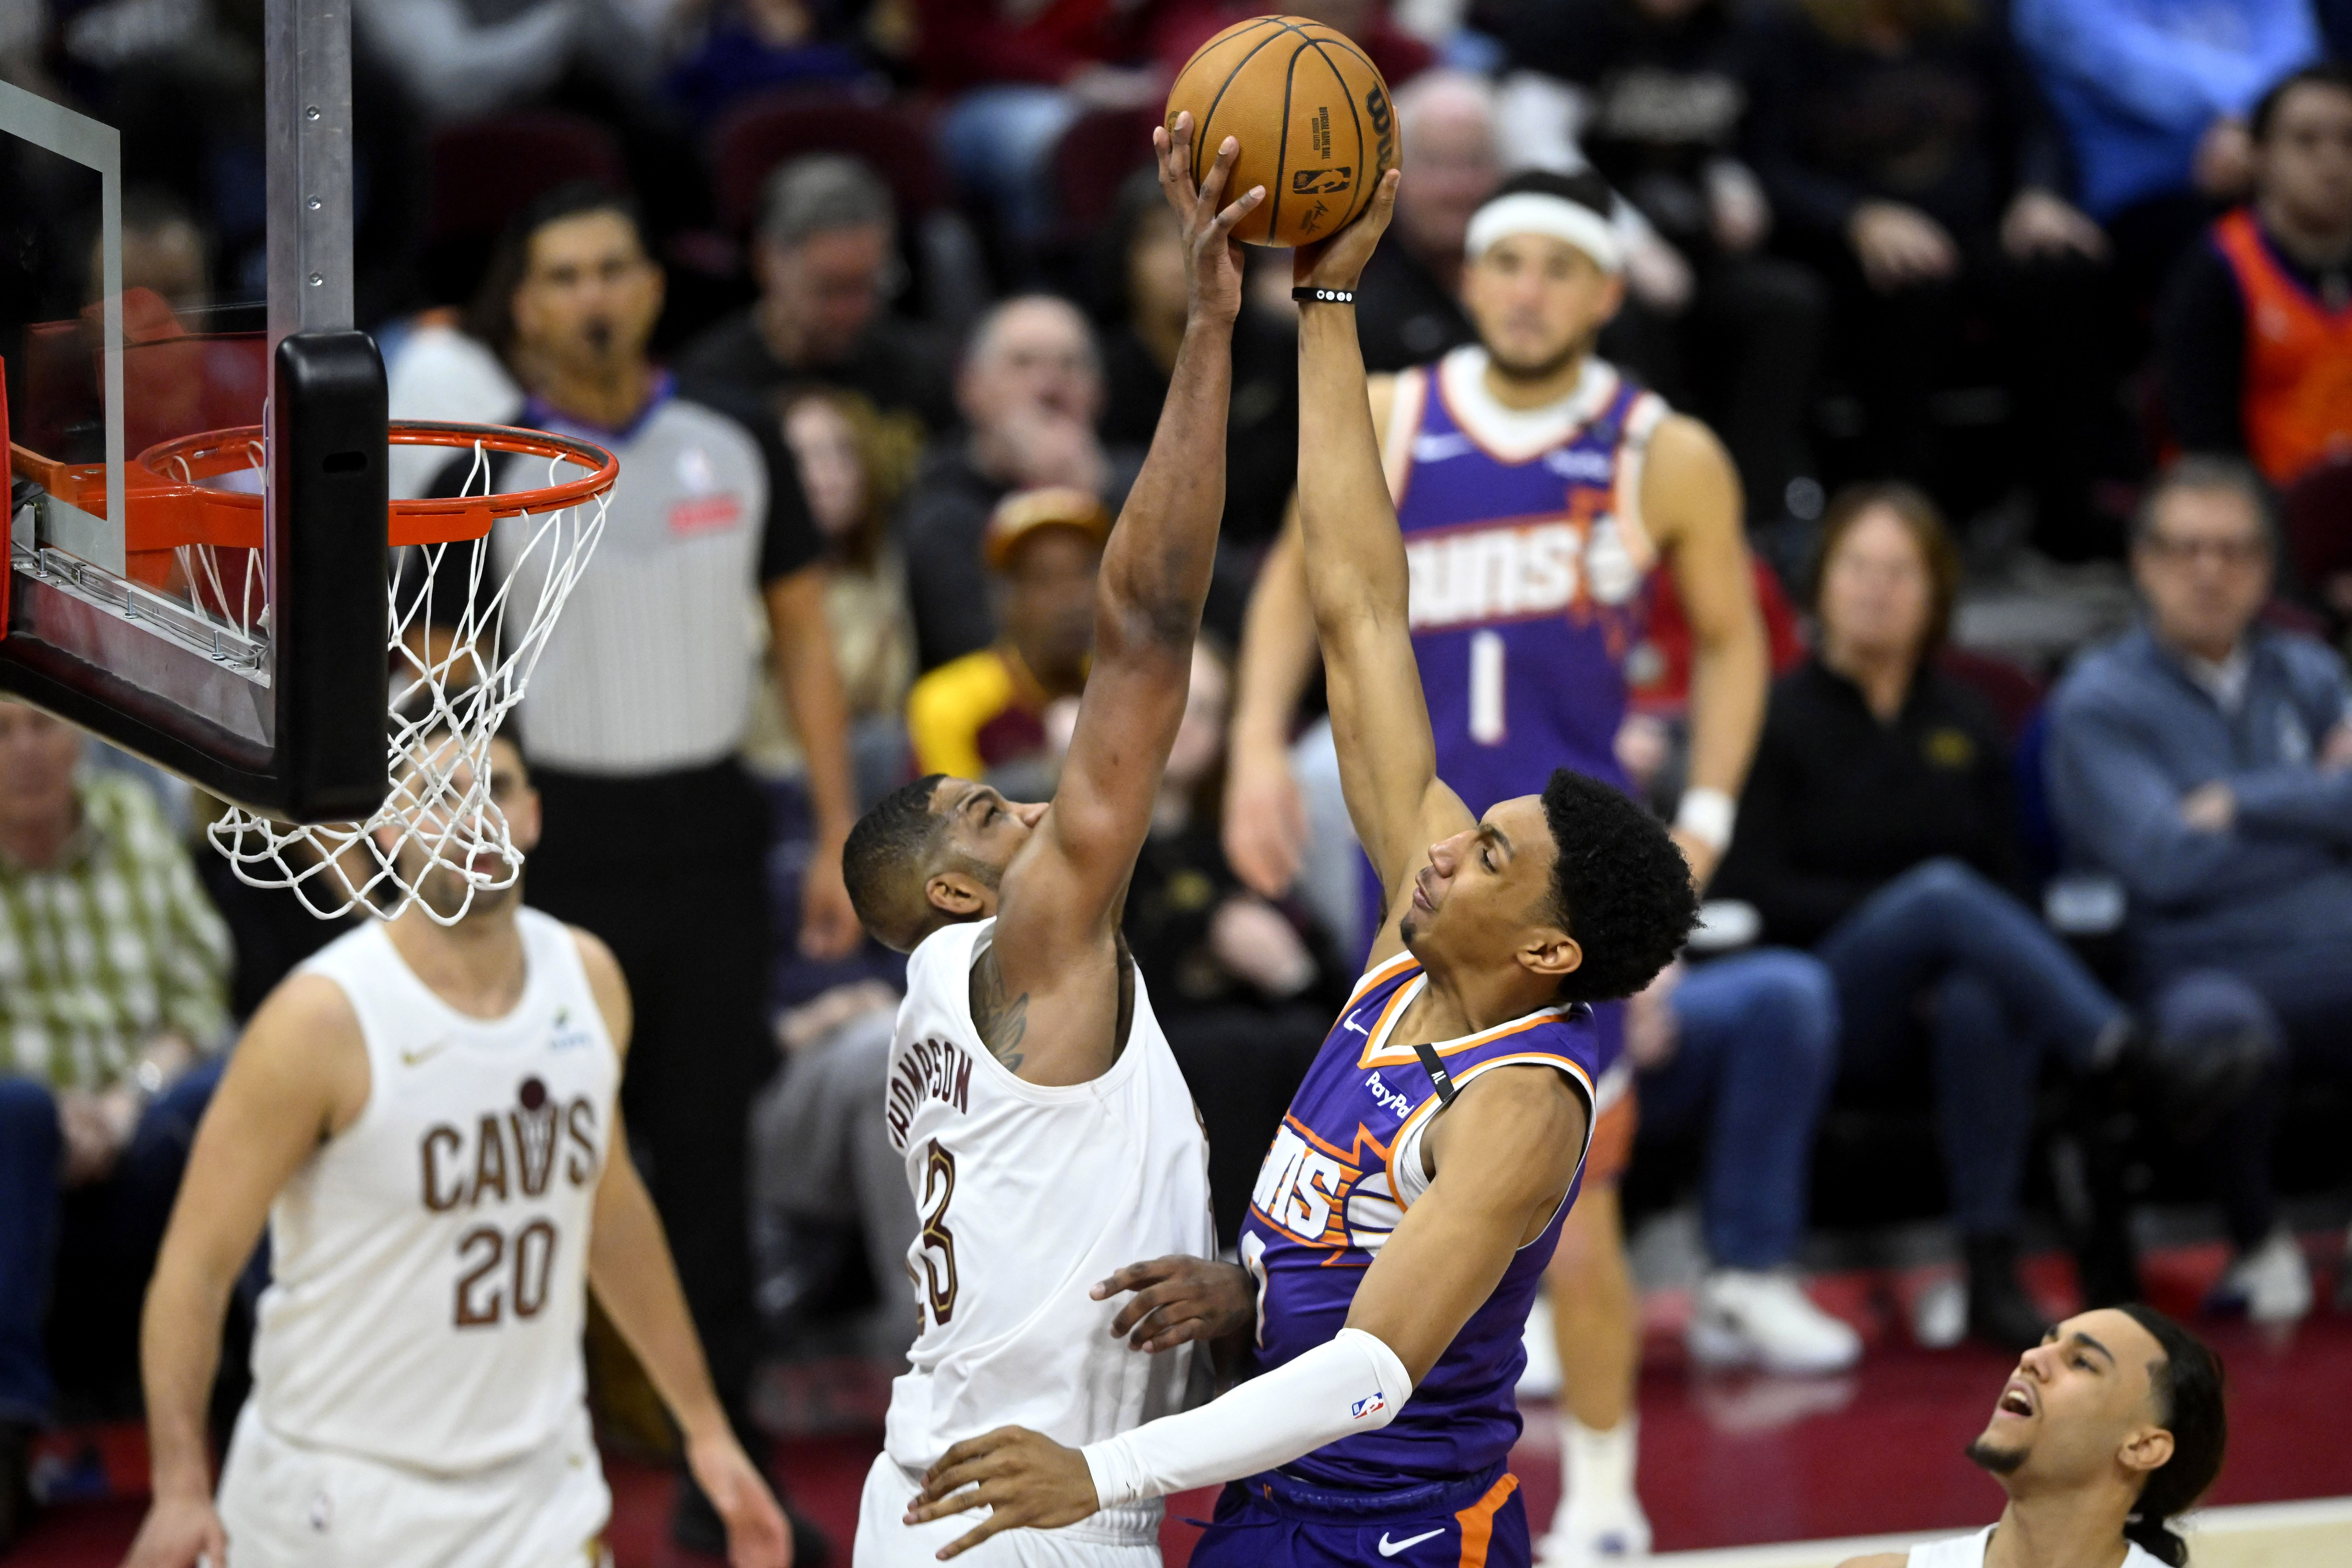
1312 116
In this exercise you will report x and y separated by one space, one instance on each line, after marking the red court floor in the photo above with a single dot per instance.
1725 1461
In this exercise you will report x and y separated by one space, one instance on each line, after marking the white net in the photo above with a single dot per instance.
469 620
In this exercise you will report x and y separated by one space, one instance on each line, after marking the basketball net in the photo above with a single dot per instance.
439 839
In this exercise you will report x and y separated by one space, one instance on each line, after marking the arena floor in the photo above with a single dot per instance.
1738 1472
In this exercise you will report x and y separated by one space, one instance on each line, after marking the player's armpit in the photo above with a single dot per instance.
1504 1156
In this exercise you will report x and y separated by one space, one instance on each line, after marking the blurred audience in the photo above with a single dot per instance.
2205 761
2153 96
1031 389
2257 333
827 260
1659 98
460 58
1141 290
749 46
1877 830
1909 158
113 997
983 716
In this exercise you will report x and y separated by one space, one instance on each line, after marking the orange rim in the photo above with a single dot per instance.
170 505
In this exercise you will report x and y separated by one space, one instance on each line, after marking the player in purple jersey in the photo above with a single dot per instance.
1403 1217
1540 490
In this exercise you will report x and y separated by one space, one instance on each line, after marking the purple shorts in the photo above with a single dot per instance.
1272 1522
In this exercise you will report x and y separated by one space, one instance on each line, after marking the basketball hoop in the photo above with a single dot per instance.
195 525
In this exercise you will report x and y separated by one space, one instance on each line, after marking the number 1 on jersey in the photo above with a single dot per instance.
1486 726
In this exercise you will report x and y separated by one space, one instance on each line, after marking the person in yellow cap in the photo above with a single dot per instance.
983 715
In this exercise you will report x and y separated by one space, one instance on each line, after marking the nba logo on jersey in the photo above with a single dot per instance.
1365 1406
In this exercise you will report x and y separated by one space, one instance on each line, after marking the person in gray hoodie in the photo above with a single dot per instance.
2205 760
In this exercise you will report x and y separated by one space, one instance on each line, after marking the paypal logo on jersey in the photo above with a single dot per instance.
1367 1406
1578 463
1395 1099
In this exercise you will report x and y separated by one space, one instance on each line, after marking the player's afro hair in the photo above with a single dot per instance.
887 860
1619 886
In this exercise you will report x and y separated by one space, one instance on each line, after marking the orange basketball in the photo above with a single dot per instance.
1312 116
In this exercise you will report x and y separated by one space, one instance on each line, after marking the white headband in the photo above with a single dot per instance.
1538 212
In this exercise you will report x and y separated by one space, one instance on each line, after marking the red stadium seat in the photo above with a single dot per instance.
895 140
483 170
1096 155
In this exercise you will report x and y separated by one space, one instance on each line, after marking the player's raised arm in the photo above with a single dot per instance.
1356 574
1063 892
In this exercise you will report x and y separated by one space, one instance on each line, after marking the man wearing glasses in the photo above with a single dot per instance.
2205 760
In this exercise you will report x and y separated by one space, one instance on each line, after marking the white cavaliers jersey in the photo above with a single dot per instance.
1968 1551
1029 1194
429 1262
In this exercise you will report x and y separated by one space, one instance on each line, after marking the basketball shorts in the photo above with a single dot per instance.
1272 1522
288 1506
885 1540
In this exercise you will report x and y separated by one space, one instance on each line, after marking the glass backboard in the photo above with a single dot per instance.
229 626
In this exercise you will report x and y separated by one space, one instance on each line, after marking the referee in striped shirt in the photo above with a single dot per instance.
655 838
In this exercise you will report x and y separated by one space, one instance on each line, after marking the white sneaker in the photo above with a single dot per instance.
1616 1531
2272 1284
1742 1318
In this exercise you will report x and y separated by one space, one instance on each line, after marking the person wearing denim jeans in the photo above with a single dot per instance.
1876 830
1753 1049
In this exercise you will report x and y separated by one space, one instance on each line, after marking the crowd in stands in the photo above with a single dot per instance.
1996 305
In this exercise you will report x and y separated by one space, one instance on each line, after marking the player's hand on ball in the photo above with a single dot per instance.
1337 262
179 1532
1180 1300
757 1534
1213 257
1025 1480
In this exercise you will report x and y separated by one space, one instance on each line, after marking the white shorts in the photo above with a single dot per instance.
885 1541
288 1506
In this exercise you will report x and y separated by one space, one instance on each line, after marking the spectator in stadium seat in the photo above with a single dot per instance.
2153 96
1875 830
2205 760
1408 298
1909 160
1661 97
1018 75
114 1004
1031 391
853 467
749 46
826 257
984 715
1141 302
2257 340
633 722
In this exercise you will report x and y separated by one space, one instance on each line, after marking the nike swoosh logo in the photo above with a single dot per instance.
416 1058
1390 1548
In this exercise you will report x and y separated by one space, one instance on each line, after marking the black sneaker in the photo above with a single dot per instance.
695 1526
2000 1311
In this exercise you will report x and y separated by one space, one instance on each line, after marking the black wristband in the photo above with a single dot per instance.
1307 294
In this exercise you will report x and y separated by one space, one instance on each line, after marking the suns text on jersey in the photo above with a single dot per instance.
1323 1196
928 1070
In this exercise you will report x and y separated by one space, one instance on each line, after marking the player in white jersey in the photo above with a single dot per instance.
427 1117
2108 1429
1049 1135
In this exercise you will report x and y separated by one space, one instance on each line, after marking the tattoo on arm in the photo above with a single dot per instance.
1001 1024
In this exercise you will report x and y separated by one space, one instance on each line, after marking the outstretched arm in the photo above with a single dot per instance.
1357 579
1061 895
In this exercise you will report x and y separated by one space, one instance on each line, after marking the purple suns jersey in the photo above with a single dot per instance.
1528 566
1344 1167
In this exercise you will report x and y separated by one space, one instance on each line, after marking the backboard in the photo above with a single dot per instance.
243 649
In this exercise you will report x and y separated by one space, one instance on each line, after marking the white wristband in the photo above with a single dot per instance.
1354 1384
1707 814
